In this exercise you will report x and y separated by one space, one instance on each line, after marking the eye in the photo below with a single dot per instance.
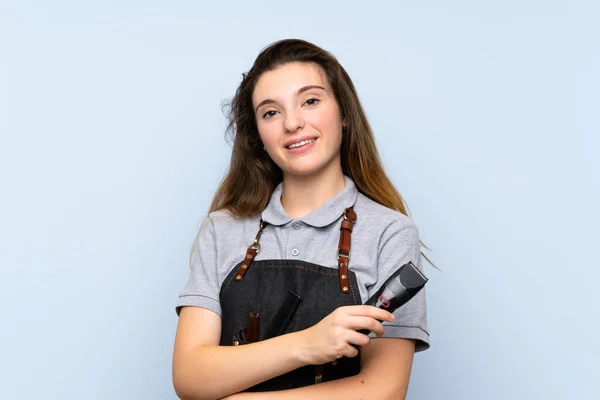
269 114
312 101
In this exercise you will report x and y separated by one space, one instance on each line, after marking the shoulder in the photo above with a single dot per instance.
222 227
394 237
382 220
224 219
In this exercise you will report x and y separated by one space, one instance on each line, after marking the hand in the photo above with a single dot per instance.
334 335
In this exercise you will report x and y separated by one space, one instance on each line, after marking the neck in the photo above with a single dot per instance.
302 195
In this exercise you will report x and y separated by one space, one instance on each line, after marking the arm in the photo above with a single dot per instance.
385 374
204 370
200 365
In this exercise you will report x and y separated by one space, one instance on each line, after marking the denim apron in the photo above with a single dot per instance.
289 296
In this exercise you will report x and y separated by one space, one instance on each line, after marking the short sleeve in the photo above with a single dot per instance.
202 287
399 244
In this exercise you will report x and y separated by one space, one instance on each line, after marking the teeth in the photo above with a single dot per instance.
302 143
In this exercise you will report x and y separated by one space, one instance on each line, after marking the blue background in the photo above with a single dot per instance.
112 144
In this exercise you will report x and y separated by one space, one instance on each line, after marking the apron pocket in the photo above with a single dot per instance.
283 315
251 333
278 326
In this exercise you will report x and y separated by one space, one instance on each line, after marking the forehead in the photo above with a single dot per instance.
286 80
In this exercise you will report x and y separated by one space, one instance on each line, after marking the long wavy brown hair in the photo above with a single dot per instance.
252 176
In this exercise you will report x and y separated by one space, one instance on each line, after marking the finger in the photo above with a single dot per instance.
370 311
351 351
371 324
357 338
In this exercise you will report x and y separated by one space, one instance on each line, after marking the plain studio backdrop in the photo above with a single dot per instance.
112 144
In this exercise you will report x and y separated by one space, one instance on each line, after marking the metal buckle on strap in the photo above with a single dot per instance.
256 244
338 254
348 219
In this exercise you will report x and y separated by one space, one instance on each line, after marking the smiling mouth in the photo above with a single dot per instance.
300 144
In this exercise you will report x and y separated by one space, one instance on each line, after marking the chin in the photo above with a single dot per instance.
308 166
305 170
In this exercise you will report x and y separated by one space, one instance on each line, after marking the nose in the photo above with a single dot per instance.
293 122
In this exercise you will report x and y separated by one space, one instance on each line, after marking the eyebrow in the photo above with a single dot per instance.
301 90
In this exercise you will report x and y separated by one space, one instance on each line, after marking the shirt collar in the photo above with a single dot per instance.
326 214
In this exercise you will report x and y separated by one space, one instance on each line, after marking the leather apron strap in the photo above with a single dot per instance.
343 253
252 251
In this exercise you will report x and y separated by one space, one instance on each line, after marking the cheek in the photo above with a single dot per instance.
268 135
329 124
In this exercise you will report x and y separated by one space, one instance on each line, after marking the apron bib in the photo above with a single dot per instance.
289 296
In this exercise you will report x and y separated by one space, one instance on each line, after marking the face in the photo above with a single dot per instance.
298 119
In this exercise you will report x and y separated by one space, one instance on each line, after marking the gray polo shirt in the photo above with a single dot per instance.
382 241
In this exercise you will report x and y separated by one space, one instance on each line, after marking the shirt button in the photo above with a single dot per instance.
297 226
294 252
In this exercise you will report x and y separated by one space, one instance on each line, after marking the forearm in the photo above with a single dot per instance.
357 387
213 372
386 366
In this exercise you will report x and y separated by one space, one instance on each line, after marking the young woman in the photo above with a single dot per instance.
304 228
